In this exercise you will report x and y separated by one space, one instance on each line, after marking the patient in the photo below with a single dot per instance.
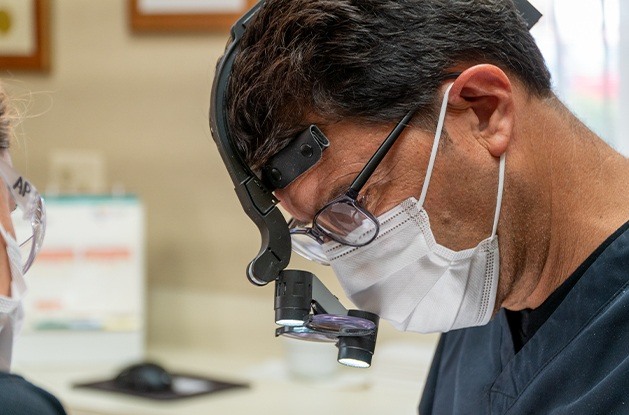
17 396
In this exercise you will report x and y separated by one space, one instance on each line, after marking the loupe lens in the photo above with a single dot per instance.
304 333
293 294
340 325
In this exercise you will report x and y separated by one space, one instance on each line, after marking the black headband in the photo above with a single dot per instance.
529 13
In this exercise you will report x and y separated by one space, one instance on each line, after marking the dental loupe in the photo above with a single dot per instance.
304 308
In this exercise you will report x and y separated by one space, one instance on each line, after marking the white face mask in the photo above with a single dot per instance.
407 278
11 311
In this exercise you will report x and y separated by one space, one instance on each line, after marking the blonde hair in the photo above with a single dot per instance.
7 114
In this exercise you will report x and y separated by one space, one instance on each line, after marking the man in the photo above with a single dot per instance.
519 248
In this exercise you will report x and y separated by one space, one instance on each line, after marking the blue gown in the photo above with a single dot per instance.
576 363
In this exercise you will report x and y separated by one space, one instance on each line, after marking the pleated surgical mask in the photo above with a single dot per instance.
409 279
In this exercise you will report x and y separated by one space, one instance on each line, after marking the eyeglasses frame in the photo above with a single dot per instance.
317 232
30 202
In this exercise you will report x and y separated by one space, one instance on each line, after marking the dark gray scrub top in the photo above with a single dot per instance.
19 397
577 361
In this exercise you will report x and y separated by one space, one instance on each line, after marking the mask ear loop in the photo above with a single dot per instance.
501 185
433 156
435 145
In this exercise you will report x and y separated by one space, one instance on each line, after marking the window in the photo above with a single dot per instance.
581 42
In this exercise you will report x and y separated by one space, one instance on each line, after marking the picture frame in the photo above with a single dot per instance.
25 35
186 15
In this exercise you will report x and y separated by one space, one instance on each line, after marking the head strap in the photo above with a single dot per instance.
528 12
299 156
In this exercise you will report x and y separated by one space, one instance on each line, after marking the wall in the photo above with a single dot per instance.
142 101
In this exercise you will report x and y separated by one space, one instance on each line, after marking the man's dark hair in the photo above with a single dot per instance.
368 60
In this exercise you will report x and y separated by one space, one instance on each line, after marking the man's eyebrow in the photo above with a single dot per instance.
336 191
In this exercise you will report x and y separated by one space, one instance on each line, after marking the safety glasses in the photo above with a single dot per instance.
29 217
344 219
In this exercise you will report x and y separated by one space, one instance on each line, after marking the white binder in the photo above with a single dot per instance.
85 298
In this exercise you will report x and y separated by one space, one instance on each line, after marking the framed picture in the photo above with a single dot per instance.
24 35
186 15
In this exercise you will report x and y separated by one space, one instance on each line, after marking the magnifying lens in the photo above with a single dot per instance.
305 333
354 334
340 325
307 310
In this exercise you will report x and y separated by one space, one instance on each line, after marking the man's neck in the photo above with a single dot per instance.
589 199
584 199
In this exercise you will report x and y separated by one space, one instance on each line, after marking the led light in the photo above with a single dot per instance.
348 361
289 322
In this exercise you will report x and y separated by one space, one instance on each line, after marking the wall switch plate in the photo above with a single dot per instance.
76 172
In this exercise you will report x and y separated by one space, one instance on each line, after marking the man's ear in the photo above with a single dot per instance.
484 92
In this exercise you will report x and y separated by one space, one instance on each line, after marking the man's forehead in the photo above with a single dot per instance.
320 185
304 197
306 150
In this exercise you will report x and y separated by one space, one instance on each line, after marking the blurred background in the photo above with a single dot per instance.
135 104
116 114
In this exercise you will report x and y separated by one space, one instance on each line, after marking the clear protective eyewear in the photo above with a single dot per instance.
29 215
344 219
